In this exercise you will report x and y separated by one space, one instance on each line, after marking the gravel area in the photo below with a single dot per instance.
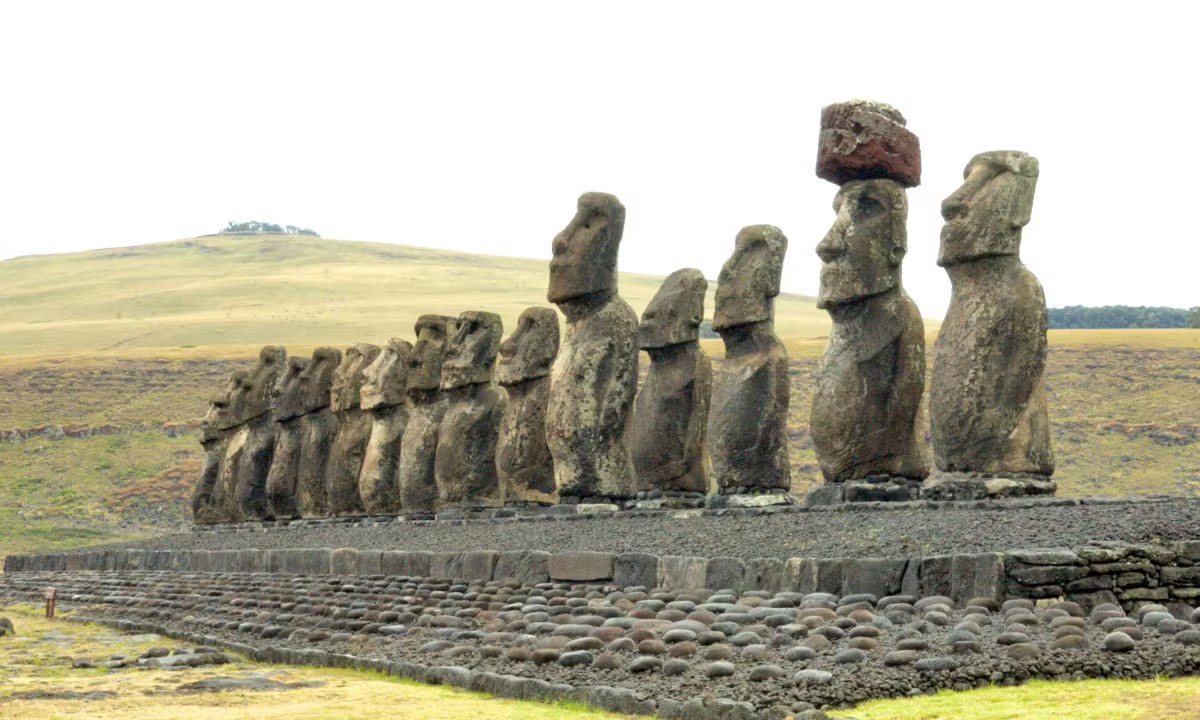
888 533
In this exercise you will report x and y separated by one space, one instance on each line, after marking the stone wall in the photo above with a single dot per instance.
1090 575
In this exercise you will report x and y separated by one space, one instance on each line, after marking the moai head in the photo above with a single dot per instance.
386 379
286 397
231 402
530 351
674 315
317 378
585 252
749 281
208 423
471 353
862 252
425 362
985 215
261 382
345 391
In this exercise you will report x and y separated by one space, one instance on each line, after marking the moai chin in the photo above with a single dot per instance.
287 407
465 463
418 449
670 417
866 420
260 428
522 456
208 505
353 431
384 391
987 397
318 428
594 378
747 425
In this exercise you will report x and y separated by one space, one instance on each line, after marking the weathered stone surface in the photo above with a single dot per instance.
670 419
384 398
353 430
863 140
465 464
523 459
396 562
679 572
979 575
526 566
418 449
866 404
231 422
208 505
987 395
725 573
581 566
748 420
287 403
318 428
876 576
479 564
250 492
594 377
635 570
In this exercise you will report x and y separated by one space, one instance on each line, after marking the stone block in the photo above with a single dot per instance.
370 562
1046 574
934 576
528 567
1180 575
636 570
863 140
316 561
446 565
135 559
407 564
764 574
725 573
1046 556
74 562
201 561
343 561
248 560
822 495
225 561
1188 550
272 560
977 575
877 576
582 566
809 575
679 572
479 564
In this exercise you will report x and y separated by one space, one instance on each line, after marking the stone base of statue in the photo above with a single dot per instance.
669 500
743 497
878 488
979 486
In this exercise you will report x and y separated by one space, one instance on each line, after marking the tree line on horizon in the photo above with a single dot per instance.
254 226
1122 316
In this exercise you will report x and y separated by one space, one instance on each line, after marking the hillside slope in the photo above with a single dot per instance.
276 289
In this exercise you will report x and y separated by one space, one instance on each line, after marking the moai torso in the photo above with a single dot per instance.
261 429
288 406
987 396
232 423
207 498
594 377
383 398
318 430
747 432
523 458
353 431
418 449
670 417
465 466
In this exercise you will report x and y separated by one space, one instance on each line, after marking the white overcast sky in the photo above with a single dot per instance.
475 125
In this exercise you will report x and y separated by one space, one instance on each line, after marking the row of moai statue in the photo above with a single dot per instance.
416 428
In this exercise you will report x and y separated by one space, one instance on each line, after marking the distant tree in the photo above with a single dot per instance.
254 226
1117 316
1193 317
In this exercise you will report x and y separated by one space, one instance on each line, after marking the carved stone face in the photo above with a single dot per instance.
749 281
317 378
585 252
230 405
471 353
676 311
286 399
861 253
425 363
985 215
344 393
261 383
386 379
530 351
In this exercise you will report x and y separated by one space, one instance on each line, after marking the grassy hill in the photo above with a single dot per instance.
121 348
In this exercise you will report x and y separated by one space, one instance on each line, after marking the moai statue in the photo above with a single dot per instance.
427 407
231 419
670 418
987 405
866 419
385 383
260 429
594 378
353 431
287 404
208 506
318 428
522 456
465 466
747 437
